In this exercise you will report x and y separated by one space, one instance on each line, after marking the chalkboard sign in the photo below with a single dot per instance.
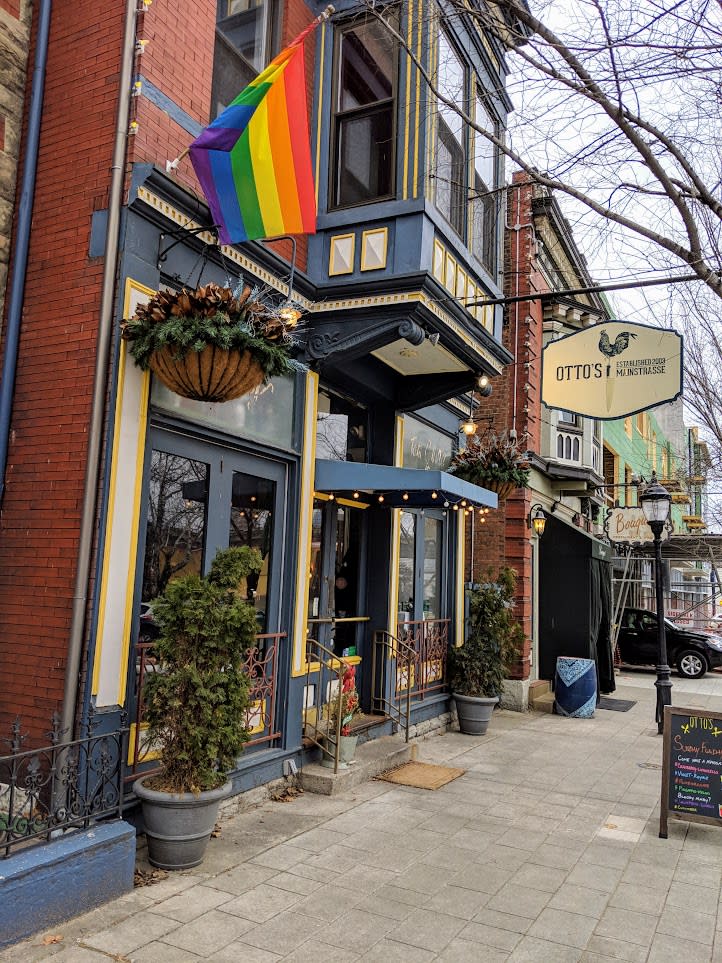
691 767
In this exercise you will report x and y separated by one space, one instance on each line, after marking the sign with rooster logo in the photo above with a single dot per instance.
613 369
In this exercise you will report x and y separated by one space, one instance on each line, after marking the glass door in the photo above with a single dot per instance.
336 600
421 570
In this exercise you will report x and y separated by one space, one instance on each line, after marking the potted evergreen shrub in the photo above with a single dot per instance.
211 343
196 704
495 462
477 669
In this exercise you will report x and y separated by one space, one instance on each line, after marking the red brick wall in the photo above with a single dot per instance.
505 537
178 60
40 516
40 519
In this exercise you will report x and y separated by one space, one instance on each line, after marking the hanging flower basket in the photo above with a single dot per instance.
208 375
210 344
494 462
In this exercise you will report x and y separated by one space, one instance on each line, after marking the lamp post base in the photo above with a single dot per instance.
663 686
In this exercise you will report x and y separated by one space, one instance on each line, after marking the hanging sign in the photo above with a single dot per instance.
612 370
630 526
691 767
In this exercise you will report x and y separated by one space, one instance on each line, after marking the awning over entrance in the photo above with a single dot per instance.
424 488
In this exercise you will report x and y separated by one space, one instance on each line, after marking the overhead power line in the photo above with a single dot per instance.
593 289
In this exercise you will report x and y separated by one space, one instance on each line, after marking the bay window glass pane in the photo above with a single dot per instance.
251 525
365 155
406 566
452 84
364 105
484 150
366 66
450 177
177 520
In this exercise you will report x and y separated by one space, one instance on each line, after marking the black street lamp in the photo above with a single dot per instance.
656 501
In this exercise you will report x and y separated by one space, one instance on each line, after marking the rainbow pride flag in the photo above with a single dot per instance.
254 160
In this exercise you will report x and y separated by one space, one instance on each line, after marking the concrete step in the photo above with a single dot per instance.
543 703
538 688
372 757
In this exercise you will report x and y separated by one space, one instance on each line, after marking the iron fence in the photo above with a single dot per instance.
261 718
60 786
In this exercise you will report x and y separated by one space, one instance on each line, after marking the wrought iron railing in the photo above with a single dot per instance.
391 655
60 786
262 715
323 702
429 639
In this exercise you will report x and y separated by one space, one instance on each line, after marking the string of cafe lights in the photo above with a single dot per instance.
462 504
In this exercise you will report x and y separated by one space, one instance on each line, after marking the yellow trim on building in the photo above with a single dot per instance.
334 269
319 115
130 287
305 524
407 101
365 237
417 101
395 554
459 593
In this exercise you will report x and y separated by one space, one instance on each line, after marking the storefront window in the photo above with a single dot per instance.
342 428
251 524
426 447
177 521
266 416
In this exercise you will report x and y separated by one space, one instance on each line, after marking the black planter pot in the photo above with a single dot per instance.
474 713
178 825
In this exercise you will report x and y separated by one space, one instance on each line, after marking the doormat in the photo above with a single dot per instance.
421 775
616 705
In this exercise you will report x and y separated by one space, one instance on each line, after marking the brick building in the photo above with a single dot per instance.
343 463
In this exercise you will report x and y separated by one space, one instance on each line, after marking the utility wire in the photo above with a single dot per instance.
593 289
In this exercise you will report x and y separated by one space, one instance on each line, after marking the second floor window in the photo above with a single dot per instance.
364 115
450 172
484 197
248 36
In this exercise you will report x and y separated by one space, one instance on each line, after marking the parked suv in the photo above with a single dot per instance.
693 653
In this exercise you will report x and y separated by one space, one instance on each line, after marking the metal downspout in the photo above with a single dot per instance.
22 239
105 332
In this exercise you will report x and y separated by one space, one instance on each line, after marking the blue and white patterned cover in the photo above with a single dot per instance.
576 688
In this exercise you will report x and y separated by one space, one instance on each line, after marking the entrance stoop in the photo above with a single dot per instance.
541 697
372 757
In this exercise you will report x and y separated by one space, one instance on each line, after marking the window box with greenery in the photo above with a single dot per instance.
495 462
477 669
211 343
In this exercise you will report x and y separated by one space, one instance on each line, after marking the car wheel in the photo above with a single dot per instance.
691 664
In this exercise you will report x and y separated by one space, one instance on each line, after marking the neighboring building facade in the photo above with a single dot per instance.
312 471
563 597
14 43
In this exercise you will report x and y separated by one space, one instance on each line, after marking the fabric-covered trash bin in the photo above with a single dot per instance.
575 690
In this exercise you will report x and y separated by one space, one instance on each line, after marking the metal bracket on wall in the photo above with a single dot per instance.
179 236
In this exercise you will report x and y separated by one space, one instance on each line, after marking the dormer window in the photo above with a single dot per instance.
364 115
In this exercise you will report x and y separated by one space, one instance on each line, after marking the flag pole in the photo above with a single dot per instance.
170 166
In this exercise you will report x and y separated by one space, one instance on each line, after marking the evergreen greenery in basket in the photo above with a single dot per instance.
210 343
492 462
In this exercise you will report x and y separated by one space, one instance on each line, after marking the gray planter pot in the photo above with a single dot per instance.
346 752
474 713
178 825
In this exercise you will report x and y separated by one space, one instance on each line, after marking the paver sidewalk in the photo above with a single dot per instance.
546 849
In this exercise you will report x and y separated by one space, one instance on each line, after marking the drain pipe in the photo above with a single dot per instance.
105 331
22 240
